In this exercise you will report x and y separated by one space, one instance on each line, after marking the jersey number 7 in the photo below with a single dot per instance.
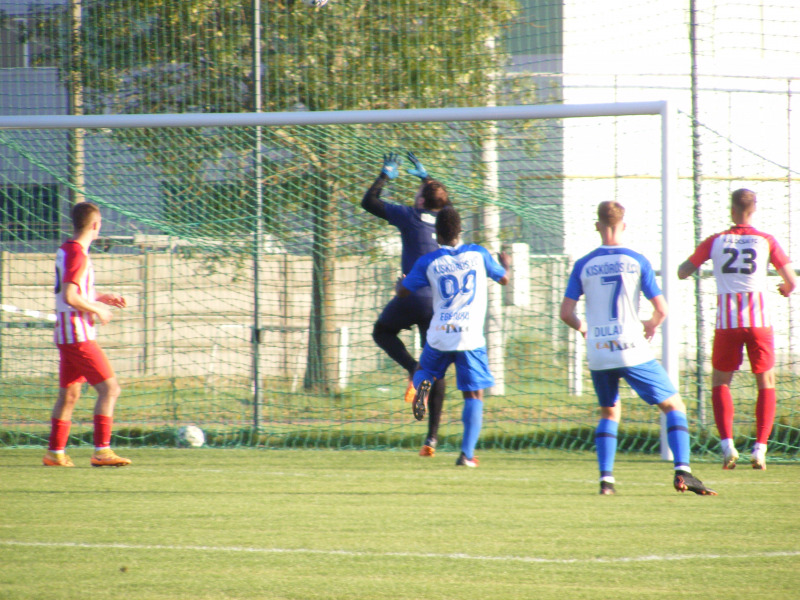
616 282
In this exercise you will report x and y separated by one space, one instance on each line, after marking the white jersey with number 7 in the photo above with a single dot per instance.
612 279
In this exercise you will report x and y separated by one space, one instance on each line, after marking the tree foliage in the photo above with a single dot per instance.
179 56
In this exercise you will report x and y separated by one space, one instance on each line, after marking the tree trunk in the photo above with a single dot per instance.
321 334
76 152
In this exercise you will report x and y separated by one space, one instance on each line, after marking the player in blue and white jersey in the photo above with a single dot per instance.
612 278
458 277
418 234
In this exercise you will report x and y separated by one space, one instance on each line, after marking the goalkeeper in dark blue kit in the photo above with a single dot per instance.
417 226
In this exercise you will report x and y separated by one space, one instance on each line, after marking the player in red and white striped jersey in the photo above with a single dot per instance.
741 256
81 359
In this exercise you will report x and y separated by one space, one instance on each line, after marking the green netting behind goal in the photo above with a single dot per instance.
180 212
181 234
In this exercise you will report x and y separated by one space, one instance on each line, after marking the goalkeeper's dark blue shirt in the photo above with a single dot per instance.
417 226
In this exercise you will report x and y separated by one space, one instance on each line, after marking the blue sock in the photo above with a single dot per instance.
605 439
472 417
678 439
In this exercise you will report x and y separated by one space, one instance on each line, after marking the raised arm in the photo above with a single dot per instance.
371 202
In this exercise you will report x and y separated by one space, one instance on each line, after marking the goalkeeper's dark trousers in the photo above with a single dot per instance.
386 337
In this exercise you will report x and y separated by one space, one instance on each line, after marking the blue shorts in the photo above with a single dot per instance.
649 380
402 313
472 368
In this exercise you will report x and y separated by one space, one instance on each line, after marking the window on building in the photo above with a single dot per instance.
29 213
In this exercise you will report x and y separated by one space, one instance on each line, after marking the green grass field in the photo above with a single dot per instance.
304 524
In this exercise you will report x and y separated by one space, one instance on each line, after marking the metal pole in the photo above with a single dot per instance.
669 276
698 216
792 214
490 225
258 242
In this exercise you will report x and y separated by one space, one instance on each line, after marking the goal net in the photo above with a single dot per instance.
254 277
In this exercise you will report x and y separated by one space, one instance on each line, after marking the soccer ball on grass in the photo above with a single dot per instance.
191 435
315 3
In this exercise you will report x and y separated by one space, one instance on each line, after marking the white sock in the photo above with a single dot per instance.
759 448
727 445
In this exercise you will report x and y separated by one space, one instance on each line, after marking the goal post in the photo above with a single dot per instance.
195 233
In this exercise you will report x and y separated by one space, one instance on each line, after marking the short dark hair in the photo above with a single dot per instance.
743 201
448 224
434 195
610 212
82 215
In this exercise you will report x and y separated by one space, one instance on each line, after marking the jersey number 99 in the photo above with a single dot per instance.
450 288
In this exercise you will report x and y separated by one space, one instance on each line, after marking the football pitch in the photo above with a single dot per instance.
307 524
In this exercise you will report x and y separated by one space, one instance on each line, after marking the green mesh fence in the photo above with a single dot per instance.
181 213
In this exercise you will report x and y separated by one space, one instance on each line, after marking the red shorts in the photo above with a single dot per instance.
728 343
83 361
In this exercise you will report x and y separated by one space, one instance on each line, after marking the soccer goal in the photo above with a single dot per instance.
254 277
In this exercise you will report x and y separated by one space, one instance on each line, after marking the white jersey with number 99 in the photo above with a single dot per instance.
459 280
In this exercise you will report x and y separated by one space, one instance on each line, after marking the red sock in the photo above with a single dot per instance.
765 414
102 431
723 410
59 434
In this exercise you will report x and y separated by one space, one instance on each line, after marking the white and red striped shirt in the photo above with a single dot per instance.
741 256
73 265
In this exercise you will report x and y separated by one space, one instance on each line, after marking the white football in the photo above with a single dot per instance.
191 435
315 3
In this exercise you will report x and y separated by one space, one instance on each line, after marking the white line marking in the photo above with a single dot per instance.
458 556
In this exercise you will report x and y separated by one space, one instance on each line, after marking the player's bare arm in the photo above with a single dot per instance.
76 301
400 289
570 317
660 311
686 269
113 300
504 258
789 283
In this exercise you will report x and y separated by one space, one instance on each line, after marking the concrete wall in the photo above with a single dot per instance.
194 316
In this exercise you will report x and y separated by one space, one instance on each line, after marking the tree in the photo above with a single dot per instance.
171 56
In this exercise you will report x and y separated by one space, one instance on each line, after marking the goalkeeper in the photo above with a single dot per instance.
417 225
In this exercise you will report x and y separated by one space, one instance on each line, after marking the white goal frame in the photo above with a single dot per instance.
662 108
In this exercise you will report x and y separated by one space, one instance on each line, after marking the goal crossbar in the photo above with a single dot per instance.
335 117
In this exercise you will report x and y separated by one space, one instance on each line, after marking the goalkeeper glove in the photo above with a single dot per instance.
390 167
418 169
